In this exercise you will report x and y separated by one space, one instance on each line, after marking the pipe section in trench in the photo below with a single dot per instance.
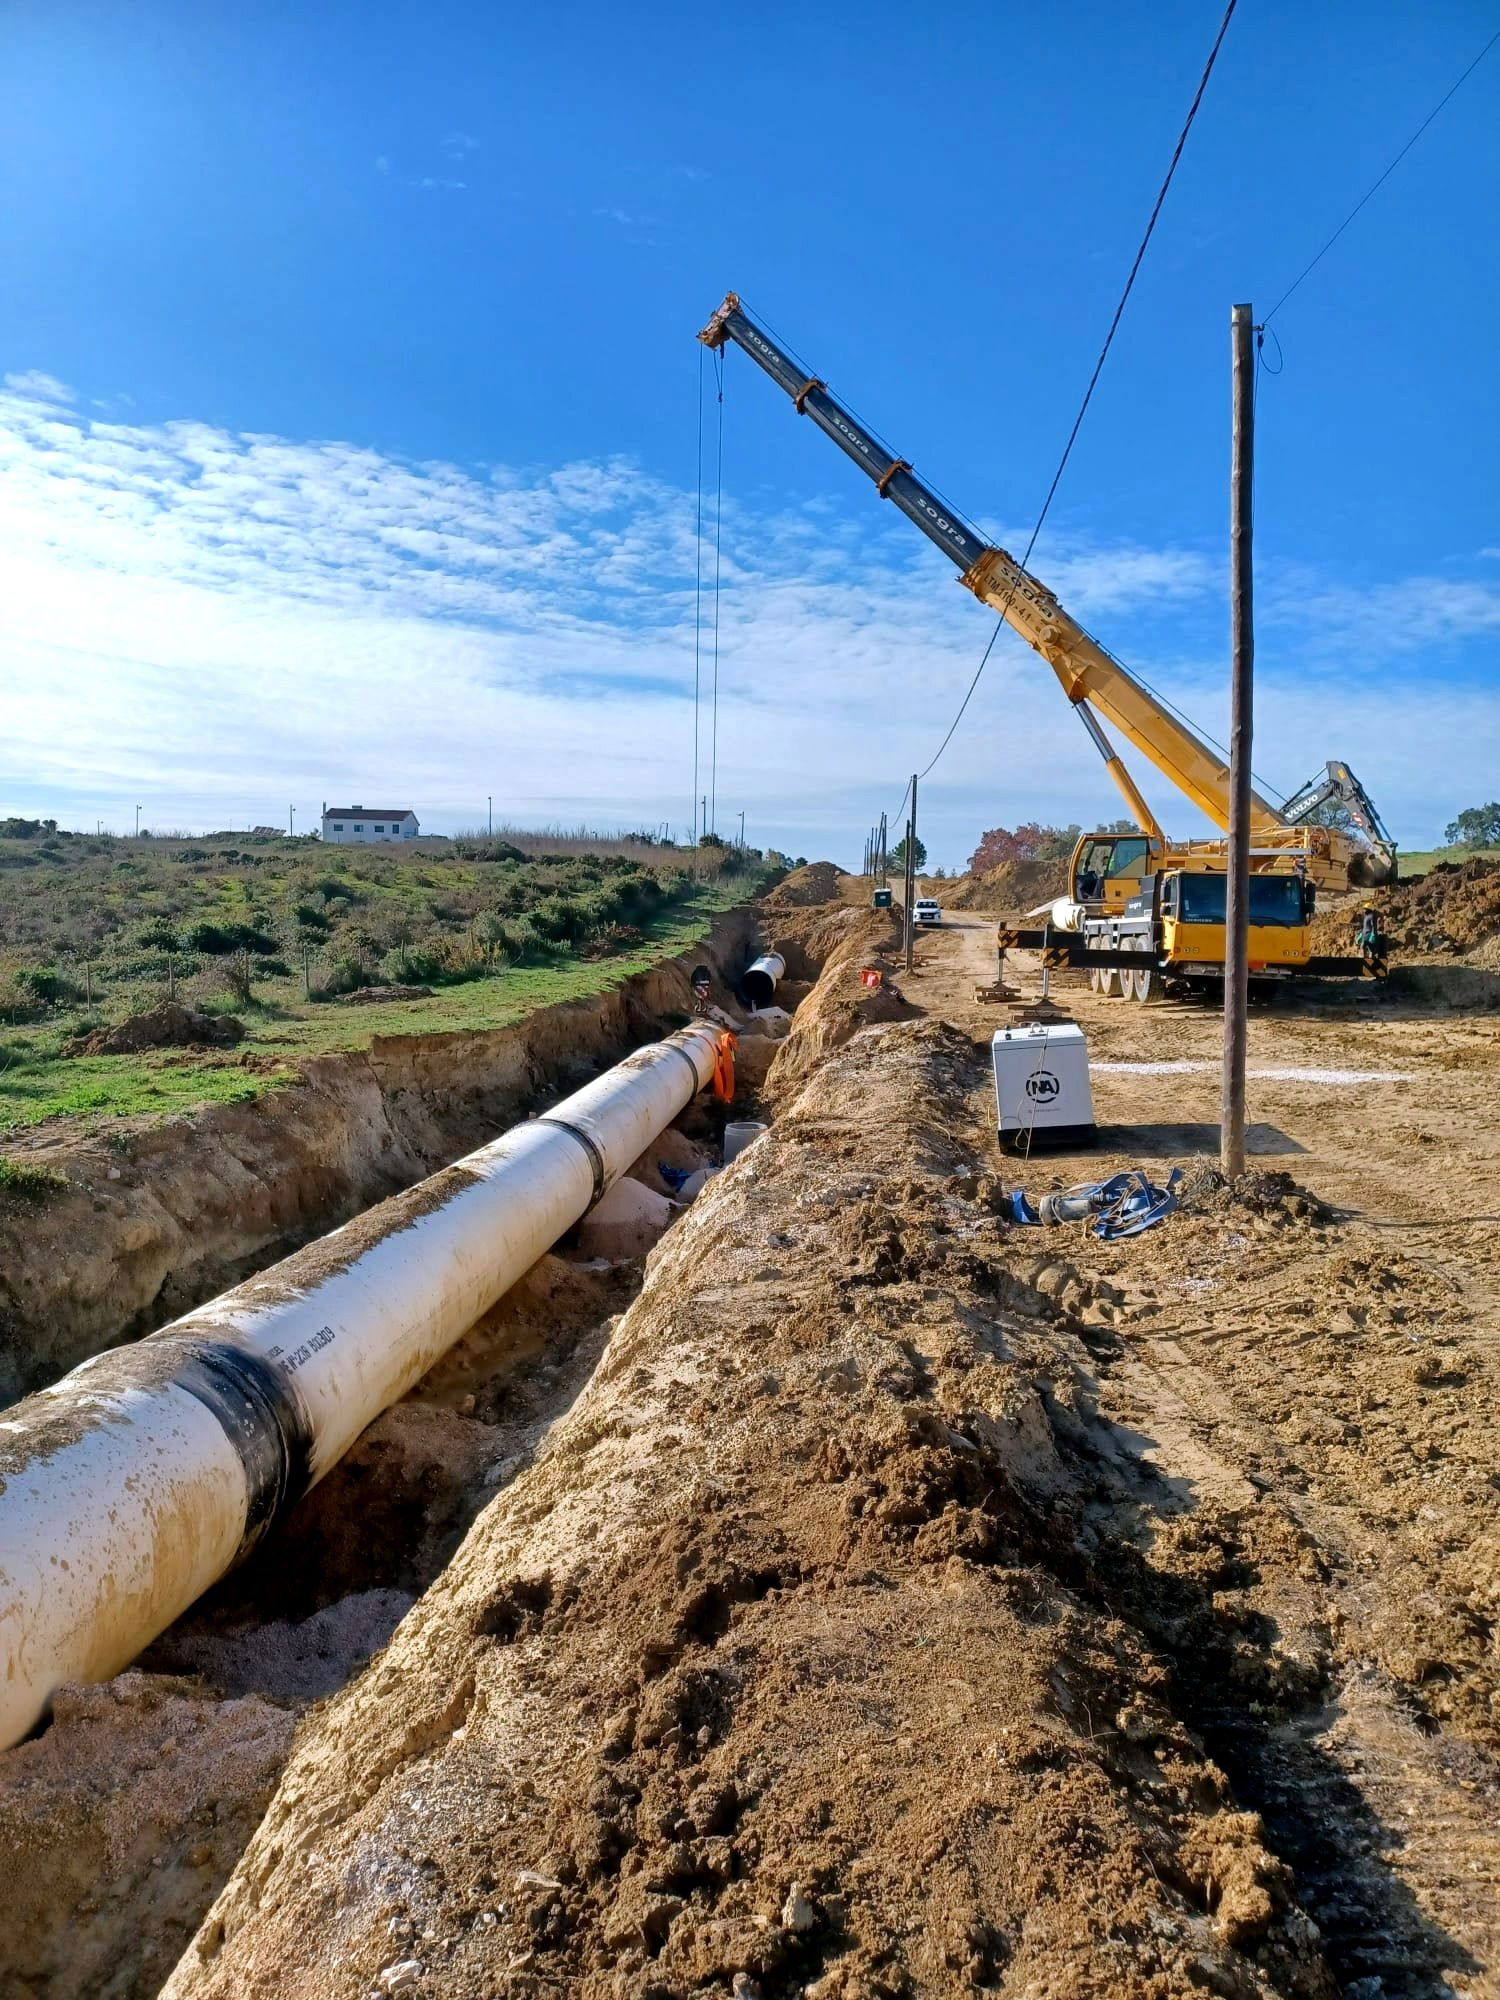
760 982
135 1482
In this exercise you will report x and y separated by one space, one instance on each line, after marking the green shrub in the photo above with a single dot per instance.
411 965
519 939
347 974
217 939
157 934
22 1182
44 983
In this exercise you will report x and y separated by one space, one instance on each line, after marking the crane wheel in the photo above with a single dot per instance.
1145 985
1110 985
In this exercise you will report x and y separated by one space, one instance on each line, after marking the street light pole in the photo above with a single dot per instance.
291 822
489 813
137 822
742 829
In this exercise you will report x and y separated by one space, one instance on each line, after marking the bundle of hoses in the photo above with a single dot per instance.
1123 1205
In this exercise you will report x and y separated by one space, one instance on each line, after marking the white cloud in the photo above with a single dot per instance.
39 387
218 623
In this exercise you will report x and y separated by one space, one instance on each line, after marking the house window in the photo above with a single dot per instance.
338 826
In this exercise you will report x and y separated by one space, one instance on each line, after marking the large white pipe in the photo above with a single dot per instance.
130 1486
759 983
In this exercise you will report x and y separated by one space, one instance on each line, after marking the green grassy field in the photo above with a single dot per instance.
496 932
1419 864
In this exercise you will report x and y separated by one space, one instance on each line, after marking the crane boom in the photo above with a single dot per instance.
1091 677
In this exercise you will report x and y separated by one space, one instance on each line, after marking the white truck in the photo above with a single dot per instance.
926 910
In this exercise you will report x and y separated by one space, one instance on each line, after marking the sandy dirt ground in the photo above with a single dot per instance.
891 1600
915 1604
1335 1379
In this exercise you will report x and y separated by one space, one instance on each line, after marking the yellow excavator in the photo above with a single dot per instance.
1142 910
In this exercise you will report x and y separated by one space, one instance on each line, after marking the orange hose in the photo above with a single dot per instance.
723 1084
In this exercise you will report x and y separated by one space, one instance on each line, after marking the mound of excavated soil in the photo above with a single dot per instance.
378 996
1451 908
818 882
1009 890
789 1666
170 1026
836 1011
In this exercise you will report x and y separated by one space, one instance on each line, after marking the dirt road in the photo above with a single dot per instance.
1340 1381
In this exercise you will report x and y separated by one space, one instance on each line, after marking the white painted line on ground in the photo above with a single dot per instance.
1335 1076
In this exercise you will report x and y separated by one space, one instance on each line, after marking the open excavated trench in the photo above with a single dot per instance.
121 1819
155 1215
837 1604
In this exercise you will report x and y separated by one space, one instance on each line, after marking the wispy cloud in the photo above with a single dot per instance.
628 218
39 387
458 145
230 618
431 181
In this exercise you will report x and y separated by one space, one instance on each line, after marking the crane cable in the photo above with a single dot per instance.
1377 185
713 762
698 598
1177 151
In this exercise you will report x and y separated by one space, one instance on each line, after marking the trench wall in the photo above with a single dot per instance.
159 1216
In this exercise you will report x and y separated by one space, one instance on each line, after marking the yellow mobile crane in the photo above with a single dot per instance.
1142 908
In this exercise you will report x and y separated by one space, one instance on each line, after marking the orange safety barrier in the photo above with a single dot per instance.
723 1084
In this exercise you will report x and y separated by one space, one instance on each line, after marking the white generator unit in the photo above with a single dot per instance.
1042 1093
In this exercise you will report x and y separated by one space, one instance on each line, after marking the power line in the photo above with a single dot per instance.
698 597
1177 150
1377 185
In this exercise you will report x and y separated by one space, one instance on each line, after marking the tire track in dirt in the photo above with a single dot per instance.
1305 1375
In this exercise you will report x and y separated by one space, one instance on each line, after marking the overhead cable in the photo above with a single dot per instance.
1177 150
1376 186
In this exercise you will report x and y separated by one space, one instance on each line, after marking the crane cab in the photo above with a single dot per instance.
1107 869
1191 911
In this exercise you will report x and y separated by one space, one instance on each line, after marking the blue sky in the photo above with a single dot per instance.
350 431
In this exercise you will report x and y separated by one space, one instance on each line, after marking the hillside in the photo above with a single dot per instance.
276 947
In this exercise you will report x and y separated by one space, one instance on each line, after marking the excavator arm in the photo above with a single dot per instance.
1088 673
1339 786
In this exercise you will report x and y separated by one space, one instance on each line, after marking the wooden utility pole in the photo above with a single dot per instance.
911 871
1241 714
